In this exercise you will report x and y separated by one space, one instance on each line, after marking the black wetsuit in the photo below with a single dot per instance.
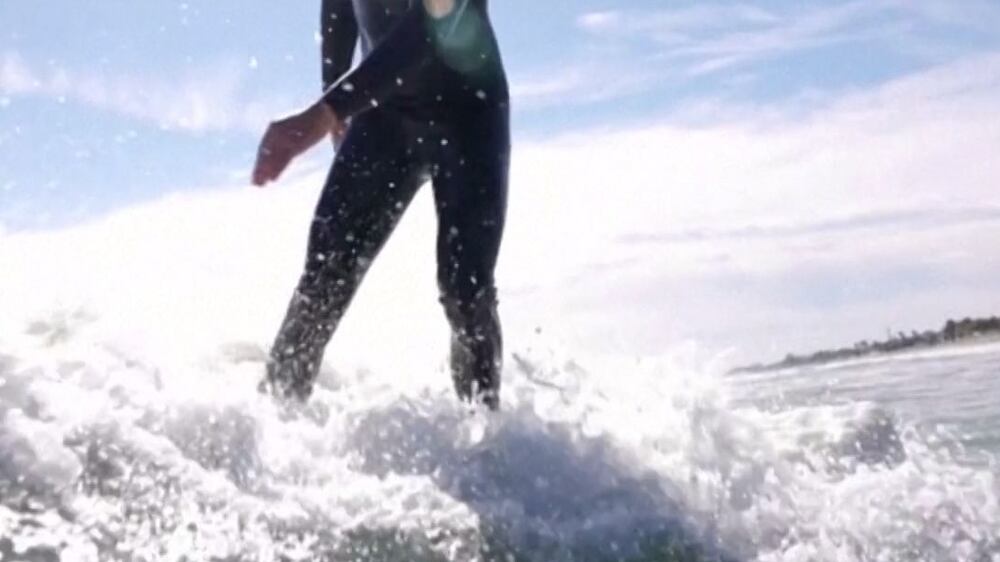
428 101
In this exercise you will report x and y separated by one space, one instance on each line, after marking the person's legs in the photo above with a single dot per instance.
470 192
371 182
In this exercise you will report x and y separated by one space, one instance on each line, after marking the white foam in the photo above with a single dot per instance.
129 357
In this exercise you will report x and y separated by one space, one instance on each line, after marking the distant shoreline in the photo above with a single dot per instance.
968 331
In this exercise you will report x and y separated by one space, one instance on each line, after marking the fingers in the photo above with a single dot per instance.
278 161
270 165
273 156
289 137
263 169
260 173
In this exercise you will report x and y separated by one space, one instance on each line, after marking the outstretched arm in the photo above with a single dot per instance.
339 33
396 60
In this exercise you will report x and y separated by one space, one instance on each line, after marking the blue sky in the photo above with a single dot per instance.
106 104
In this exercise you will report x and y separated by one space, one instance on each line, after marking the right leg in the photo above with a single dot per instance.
470 191
373 179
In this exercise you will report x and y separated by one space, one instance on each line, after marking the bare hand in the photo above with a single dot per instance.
289 137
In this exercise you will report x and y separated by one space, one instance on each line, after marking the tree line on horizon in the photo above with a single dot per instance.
953 331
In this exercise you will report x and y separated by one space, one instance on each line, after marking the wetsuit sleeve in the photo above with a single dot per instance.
339 33
397 60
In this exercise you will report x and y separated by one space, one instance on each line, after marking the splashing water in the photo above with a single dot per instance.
106 454
131 430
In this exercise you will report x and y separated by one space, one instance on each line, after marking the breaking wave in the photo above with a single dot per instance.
128 434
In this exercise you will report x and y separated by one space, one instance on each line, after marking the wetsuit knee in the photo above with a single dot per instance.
320 300
468 309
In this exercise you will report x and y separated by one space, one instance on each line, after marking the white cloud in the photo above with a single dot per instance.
15 77
677 22
976 14
206 99
881 203
598 21
823 26
707 38
765 230
576 85
545 89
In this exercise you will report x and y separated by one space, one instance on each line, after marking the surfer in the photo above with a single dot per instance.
428 101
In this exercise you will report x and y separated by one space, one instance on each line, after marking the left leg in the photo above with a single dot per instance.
470 193
371 182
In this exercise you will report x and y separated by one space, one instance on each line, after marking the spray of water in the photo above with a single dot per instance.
131 428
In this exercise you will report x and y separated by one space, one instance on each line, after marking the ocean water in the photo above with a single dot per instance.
951 393
130 428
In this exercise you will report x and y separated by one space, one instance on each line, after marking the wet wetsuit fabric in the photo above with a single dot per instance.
428 101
